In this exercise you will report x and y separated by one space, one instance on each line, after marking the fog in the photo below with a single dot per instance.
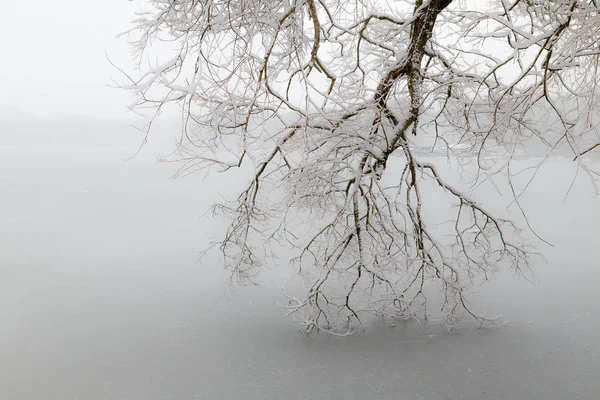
102 297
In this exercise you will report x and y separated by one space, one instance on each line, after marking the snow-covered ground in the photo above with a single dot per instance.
102 298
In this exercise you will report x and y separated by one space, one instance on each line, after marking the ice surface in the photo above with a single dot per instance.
102 299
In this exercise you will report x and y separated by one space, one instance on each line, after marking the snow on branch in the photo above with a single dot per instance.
325 101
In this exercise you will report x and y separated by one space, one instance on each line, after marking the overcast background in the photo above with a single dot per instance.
58 86
54 61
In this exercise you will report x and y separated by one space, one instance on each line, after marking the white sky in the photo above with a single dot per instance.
53 61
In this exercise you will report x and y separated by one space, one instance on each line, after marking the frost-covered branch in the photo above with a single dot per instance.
325 102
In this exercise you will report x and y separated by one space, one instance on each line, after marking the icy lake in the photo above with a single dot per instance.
102 298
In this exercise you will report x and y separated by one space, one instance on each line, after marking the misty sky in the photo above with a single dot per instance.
53 57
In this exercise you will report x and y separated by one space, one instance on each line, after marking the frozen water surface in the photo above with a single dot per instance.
102 299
